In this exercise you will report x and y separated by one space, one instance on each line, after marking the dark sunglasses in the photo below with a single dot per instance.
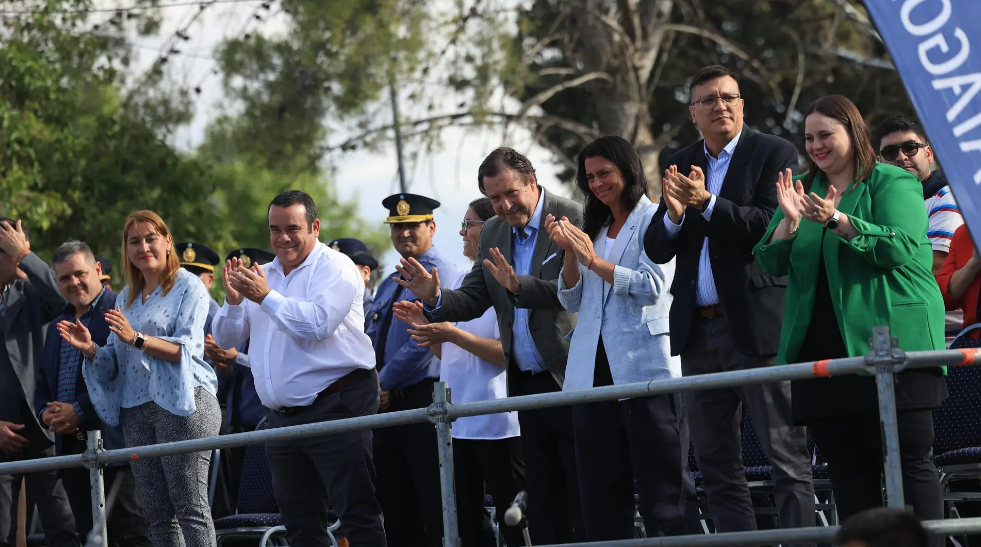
910 149
468 222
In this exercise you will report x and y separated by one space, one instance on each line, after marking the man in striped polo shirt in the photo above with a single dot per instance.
903 143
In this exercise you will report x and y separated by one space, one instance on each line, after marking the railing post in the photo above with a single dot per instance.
885 357
97 537
437 415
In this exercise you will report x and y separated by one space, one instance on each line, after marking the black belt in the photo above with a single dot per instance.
338 385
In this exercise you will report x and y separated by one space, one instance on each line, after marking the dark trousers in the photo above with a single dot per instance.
308 472
554 509
408 474
637 444
126 520
43 488
715 418
852 447
497 464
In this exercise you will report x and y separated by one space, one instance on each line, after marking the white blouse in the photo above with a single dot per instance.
473 379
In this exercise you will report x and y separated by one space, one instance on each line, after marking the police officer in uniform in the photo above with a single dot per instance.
242 409
201 260
358 252
106 270
405 457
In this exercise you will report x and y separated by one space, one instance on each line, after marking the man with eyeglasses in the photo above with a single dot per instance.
719 195
903 143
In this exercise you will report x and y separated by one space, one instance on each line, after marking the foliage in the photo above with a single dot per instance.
567 70
77 156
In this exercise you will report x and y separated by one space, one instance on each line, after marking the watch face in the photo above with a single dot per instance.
831 224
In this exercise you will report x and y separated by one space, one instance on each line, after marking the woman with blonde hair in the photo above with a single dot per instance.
851 236
152 379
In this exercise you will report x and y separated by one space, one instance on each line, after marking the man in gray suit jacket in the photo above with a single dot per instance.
520 274
30 300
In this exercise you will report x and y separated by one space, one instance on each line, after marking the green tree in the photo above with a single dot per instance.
77 156
567 70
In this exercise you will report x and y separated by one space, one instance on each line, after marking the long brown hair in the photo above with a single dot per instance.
863 153
132 275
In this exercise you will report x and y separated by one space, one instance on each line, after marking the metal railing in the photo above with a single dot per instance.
883 361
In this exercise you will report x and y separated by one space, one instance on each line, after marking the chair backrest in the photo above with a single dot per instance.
255 493
956 422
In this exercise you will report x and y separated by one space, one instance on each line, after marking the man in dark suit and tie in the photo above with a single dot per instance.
718 198
517 272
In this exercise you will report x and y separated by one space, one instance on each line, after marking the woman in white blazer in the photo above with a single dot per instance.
622 337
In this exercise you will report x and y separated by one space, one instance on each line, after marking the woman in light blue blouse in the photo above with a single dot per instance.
154 381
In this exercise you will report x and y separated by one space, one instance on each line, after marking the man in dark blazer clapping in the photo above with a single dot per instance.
517 272
718 197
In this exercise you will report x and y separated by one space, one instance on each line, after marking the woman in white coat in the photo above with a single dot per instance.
622 337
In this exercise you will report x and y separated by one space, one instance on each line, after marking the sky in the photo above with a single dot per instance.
448 175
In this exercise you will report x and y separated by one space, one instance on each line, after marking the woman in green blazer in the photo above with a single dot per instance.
857 258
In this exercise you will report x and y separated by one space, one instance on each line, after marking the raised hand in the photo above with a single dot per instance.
502 271
791 198
250 283
556 235
410 313
434 333
690 189
818 209
120 325
673 195
581 245
232 296
13 241
77 335
423 284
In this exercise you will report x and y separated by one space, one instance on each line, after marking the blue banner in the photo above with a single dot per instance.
936 45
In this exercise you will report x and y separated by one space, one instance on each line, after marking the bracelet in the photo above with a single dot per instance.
94 353
590 265
22 254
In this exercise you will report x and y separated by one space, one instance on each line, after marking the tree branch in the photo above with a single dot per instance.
543 96
734 49
584 132
800 79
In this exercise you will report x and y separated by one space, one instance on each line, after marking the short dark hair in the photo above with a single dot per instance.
708 73
68 249
620 153
898 124
483 208
297 197
883 527
500 159
13 224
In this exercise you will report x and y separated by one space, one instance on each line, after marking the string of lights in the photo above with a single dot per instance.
128 8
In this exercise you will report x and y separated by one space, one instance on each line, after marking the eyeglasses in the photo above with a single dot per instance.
468 222
708 103
910 149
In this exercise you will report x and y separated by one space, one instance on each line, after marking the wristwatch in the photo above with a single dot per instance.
832 222
140 341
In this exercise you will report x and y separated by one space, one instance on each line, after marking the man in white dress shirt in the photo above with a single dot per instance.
312 362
